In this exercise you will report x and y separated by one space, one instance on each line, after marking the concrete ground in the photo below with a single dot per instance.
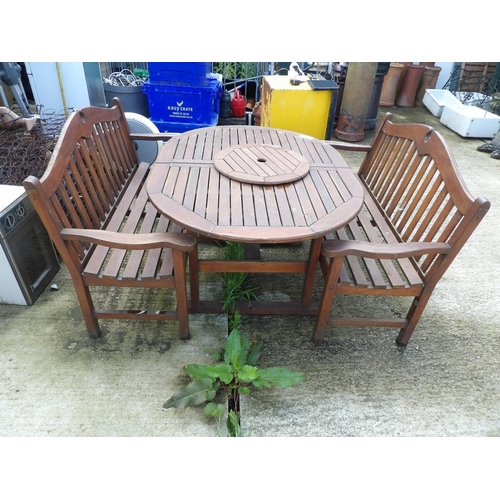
55 381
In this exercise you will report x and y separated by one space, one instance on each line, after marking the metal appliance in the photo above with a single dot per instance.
10 74
28 260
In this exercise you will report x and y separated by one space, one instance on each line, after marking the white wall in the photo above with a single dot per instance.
47 91
444 75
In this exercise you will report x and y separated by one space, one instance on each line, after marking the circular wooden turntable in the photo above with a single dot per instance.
261 164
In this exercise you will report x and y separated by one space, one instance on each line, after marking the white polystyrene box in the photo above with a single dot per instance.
470 121
435 100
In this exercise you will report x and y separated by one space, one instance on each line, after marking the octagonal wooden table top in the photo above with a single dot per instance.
205 180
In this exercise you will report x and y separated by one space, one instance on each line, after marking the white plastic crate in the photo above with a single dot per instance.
470 121
435 100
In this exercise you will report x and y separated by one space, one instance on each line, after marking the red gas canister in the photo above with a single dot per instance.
238 105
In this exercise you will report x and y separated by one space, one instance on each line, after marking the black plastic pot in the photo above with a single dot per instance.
132 98
371 118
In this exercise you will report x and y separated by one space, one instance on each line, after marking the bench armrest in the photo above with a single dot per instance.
127 241
344 146
165 136
341 248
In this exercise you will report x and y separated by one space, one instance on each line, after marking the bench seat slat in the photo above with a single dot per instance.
412 276
135 258
100 253
134 215
366 272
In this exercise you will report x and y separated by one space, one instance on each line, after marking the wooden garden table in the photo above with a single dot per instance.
255 185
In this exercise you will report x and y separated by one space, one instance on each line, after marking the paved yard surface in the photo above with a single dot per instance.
54 381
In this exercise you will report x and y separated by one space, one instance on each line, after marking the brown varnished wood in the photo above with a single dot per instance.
93 203
188 186
417 216
299 210
260 164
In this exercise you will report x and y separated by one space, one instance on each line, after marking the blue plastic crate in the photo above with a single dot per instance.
183 107
179 128
179 73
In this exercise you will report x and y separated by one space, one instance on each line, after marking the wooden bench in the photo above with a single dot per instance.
93 203
417 216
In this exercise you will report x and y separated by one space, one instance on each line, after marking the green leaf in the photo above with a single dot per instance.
235 70
278 377
245 351
193 394
248 373
218 411
239 349
233 346
243 390
260 382
233 250
233 424
214 409
235 362
222 371
254 354
198 372
234 320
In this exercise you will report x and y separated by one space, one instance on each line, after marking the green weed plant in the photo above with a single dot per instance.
237 374
236 371
237 286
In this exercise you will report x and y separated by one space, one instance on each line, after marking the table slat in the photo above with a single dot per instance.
186 187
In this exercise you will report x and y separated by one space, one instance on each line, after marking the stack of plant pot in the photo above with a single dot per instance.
428 81
364 93
340 75
359 83
405 83
371 118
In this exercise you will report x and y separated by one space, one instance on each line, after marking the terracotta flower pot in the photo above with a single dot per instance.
428 81
403 72
409 86
390 85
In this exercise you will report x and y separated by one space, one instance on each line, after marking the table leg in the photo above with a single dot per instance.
310 276
194 278
251 251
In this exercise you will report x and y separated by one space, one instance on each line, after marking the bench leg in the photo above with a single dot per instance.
87 307
413 316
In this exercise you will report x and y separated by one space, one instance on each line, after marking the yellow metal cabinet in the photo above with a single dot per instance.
298 108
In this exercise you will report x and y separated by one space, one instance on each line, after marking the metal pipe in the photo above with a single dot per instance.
59 76
3 97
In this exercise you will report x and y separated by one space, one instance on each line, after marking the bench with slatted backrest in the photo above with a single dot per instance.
93 203
417 215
